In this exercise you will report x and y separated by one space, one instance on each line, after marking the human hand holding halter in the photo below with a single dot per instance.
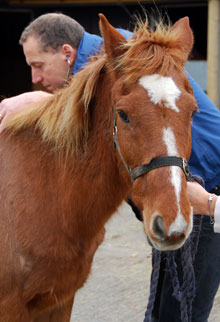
199 199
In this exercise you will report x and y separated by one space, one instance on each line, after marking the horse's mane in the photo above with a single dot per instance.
63 119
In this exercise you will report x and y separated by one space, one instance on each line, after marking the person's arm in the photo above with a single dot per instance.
15 103
199 197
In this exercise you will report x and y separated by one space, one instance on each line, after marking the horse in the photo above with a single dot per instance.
121 127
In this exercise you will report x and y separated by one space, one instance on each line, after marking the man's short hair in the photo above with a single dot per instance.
54 30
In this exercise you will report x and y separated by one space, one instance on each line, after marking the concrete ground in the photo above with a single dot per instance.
118 287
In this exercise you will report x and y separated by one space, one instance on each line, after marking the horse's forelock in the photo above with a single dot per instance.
150 51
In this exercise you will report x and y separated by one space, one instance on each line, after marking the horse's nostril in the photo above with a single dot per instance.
158 228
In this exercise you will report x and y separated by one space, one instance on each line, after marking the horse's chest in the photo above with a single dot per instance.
55 284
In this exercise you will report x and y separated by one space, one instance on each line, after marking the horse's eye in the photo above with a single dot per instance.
123 116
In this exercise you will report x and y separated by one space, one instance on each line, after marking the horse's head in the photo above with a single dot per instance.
153 105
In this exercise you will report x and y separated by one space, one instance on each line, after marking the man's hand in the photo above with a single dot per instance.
198 198
15 103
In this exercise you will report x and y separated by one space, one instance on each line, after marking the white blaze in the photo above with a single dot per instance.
161 90
179 223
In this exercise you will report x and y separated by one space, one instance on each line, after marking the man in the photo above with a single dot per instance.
53 53
55 47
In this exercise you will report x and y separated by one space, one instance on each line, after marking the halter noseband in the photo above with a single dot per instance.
158 162
162 161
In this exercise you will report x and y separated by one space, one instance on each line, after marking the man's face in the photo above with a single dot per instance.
48 68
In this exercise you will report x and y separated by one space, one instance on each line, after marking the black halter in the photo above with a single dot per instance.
158 162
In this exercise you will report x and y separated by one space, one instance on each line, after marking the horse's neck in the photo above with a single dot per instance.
92 180
86 189
102 185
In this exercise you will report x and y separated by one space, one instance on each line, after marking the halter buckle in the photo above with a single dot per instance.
186 170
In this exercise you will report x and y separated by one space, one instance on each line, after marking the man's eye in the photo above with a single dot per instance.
37 66
123 116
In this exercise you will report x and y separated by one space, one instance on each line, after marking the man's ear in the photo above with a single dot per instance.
70 53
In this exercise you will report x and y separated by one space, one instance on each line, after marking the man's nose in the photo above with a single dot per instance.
36 77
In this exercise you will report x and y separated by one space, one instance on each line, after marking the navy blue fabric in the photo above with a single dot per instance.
207 271
207 275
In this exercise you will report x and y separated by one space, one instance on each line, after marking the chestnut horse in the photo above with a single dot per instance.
62 175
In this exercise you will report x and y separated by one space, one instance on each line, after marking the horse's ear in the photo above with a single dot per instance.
112 39
185 33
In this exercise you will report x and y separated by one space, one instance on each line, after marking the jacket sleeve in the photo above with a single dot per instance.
205 154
